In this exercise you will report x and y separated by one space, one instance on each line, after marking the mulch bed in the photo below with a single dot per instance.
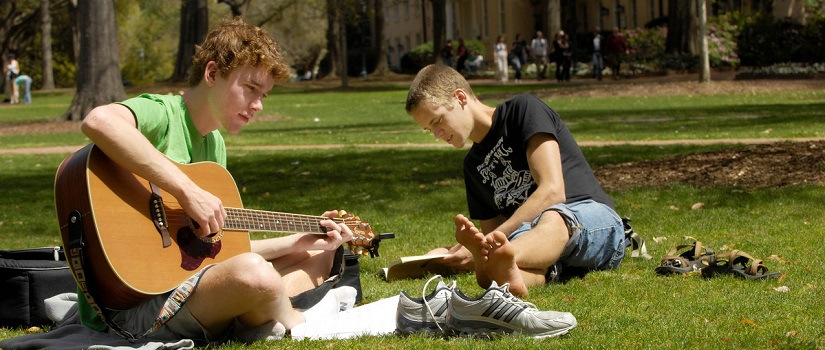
757 166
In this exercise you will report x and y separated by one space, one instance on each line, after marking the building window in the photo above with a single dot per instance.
502 23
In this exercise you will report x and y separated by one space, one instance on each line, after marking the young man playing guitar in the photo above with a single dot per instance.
232 72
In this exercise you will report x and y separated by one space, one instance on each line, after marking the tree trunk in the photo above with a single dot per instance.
343 71
332 37
194 17
382 66
680 20
541 15
98 70
75 30
439 26
237 7
704 75
46 44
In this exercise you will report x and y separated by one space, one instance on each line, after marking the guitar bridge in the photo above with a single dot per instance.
158 215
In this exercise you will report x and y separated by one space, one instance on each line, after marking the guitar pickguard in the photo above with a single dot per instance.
194 250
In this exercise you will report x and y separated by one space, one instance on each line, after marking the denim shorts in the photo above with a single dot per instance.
597 240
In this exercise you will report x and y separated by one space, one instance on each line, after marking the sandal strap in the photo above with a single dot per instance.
742 258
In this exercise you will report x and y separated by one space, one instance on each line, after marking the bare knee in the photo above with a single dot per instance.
553 226
252 272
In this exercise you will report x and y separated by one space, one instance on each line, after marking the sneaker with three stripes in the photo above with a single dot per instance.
426 314
497 311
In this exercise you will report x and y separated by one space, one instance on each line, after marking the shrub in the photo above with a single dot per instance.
679 61
764 41
646 45
422 55
722 32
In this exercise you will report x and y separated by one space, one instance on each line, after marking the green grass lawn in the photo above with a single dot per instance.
414 192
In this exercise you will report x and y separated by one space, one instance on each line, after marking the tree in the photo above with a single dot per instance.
16 30
439 26
194 22
46 44
704 75
98 67
333 33
382 66
238 7
681 27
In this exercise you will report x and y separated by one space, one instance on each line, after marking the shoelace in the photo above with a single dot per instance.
427 303
526 305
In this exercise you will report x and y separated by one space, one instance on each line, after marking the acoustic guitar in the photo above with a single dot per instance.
139 242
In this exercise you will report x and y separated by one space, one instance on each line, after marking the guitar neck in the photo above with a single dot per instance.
259 220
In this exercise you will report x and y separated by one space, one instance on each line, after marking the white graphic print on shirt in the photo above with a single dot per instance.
511 187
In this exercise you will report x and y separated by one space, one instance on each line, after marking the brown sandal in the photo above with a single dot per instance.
740 264
690 260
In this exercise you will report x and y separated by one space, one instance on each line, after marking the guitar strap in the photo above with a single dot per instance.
76 258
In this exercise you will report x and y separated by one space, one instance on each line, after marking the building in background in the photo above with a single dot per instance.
408 23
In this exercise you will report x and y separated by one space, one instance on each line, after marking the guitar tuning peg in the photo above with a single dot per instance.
342 213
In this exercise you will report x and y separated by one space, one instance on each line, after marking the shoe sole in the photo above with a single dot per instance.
486 327
405 326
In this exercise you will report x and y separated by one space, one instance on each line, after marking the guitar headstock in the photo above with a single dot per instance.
364 240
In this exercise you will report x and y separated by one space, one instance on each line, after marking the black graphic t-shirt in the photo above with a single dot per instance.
496 173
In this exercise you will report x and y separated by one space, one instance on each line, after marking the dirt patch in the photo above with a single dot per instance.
662 87
757 166
39 128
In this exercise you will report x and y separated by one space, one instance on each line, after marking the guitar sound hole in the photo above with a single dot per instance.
194 250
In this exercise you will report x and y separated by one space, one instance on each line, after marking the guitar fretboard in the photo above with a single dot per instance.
259 220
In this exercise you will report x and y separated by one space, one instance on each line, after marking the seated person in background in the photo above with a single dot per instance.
232 72
527 181
474 62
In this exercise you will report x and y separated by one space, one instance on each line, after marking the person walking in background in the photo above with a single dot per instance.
560 46
558 54
447 53
461 55
518 56
566 57
615 49
12 68
538 48
10 72
25 82
597 58
500 59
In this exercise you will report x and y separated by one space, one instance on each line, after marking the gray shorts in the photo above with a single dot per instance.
597 240
181 326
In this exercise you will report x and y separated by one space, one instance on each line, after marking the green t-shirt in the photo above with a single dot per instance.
165 121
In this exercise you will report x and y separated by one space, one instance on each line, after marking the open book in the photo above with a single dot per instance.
415 267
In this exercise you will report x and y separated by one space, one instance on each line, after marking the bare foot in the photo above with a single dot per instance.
471 238
501 263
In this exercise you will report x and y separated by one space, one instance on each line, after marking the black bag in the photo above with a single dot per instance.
27 278
345 272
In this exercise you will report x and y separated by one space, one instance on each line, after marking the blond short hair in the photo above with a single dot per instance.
233 44
435 84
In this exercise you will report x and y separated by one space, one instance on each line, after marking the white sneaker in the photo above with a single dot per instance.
427 314
497 311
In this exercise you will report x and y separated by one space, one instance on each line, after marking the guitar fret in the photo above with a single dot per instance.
256 220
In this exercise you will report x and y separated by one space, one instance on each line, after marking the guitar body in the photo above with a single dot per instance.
126 261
